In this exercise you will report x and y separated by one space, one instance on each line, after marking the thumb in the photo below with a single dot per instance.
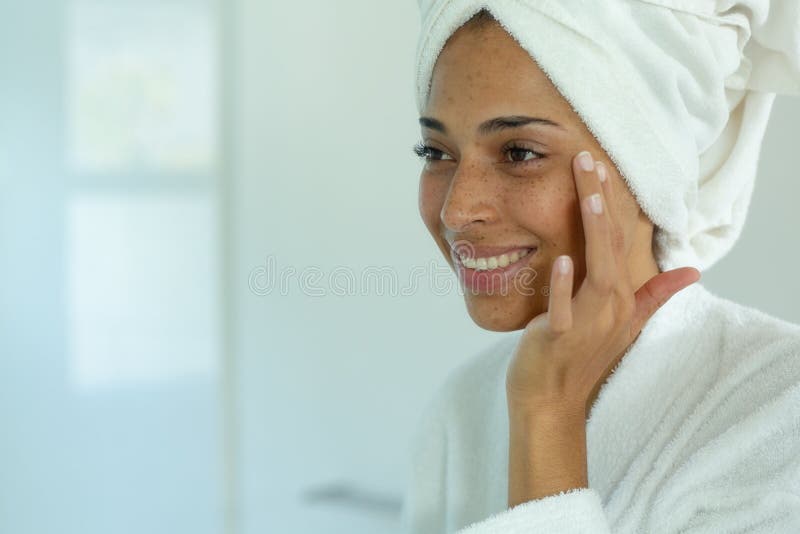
659 289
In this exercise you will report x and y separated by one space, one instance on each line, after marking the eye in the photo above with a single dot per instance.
520 155
428 153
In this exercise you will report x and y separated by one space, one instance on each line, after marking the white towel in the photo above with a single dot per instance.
696 431
677 92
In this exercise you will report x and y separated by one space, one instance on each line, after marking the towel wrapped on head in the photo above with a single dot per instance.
677 92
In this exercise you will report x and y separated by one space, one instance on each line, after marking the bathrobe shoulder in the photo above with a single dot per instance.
696 430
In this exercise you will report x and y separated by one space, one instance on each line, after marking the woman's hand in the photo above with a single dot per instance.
565 354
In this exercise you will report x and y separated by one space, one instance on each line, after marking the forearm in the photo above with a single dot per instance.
547 453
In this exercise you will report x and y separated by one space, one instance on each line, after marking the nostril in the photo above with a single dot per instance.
457 217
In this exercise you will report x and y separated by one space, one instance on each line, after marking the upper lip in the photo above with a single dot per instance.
462 247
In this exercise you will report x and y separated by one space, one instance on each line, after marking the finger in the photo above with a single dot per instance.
616 232
658 290
559 309
600 261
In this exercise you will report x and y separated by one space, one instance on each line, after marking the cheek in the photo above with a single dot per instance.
547 205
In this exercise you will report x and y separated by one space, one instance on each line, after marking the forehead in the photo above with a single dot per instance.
486 71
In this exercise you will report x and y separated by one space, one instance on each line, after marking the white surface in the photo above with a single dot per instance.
139 270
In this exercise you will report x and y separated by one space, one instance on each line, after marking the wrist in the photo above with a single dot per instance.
547 452
547 426
547 411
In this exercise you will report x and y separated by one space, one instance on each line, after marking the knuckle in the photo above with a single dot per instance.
602 281
627 307
618 240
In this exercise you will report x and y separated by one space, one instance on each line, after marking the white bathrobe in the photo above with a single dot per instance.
697 430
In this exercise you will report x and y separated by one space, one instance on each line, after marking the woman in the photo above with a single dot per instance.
631 399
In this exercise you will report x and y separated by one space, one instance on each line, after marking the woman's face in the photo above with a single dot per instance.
505 185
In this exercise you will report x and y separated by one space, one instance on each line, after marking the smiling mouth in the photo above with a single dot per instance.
494 263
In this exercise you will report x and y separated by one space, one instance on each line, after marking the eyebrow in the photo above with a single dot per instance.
493 125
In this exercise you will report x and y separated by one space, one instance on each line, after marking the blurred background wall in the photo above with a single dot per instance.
216 313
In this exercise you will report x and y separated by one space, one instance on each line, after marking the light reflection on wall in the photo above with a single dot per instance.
140 86
141 226
141 288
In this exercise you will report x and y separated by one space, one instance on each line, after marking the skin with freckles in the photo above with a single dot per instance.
514 185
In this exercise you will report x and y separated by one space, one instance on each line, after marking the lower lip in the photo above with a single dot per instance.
493 280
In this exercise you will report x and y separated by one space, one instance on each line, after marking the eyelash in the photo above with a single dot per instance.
425 152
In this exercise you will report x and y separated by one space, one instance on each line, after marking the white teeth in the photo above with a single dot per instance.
485 264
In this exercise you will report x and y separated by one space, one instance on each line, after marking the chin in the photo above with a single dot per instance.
501 314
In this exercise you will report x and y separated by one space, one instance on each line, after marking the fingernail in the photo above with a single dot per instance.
601 171
595 204
586 161
563 264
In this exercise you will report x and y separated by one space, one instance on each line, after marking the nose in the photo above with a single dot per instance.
470 198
